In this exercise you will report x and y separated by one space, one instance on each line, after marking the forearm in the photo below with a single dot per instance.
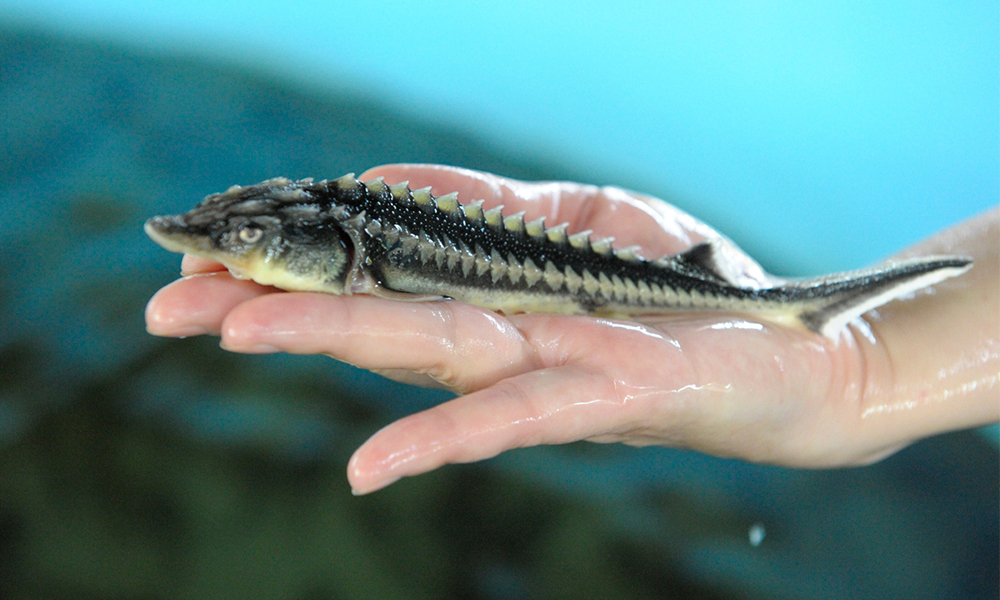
935 360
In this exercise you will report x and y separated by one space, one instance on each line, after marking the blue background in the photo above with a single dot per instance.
821 135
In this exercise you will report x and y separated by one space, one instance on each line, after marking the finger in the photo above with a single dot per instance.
761 393
550 406
197 305
191 265
459 345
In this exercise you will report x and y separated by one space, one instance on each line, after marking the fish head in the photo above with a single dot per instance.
274 233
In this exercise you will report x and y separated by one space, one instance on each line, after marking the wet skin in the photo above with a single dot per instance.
721 384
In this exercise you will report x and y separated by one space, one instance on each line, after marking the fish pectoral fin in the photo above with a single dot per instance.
384 292
362 282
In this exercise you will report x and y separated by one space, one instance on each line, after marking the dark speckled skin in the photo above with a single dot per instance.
345 236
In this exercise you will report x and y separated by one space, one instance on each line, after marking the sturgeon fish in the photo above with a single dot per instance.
344 236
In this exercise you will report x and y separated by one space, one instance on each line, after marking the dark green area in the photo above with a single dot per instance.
135 467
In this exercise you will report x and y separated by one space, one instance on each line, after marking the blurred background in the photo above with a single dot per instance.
820 137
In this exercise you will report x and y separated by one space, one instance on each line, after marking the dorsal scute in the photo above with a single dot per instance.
347 182
473 211
422 197
514 223
557 233
494 216
274 182
448 203
287 195
580 240
629 253
401 191
602 246
376 186
535 228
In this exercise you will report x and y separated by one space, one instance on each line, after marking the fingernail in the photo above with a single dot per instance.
254 349
165 330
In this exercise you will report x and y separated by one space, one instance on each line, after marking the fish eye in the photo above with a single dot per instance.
250 234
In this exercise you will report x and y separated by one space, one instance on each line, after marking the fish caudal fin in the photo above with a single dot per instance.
831 302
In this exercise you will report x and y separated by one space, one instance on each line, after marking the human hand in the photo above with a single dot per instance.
721 384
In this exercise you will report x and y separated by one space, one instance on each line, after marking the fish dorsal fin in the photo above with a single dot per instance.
705 259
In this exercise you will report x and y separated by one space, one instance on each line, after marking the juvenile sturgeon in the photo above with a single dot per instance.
347 237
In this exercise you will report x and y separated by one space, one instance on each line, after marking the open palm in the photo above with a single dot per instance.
722 384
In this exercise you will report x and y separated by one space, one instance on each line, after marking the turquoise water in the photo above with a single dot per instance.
823 135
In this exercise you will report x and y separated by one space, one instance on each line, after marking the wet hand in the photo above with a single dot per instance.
716 383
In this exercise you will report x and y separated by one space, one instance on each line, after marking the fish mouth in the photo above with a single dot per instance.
170 232
173 233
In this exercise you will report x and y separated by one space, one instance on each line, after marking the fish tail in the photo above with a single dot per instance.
828 303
